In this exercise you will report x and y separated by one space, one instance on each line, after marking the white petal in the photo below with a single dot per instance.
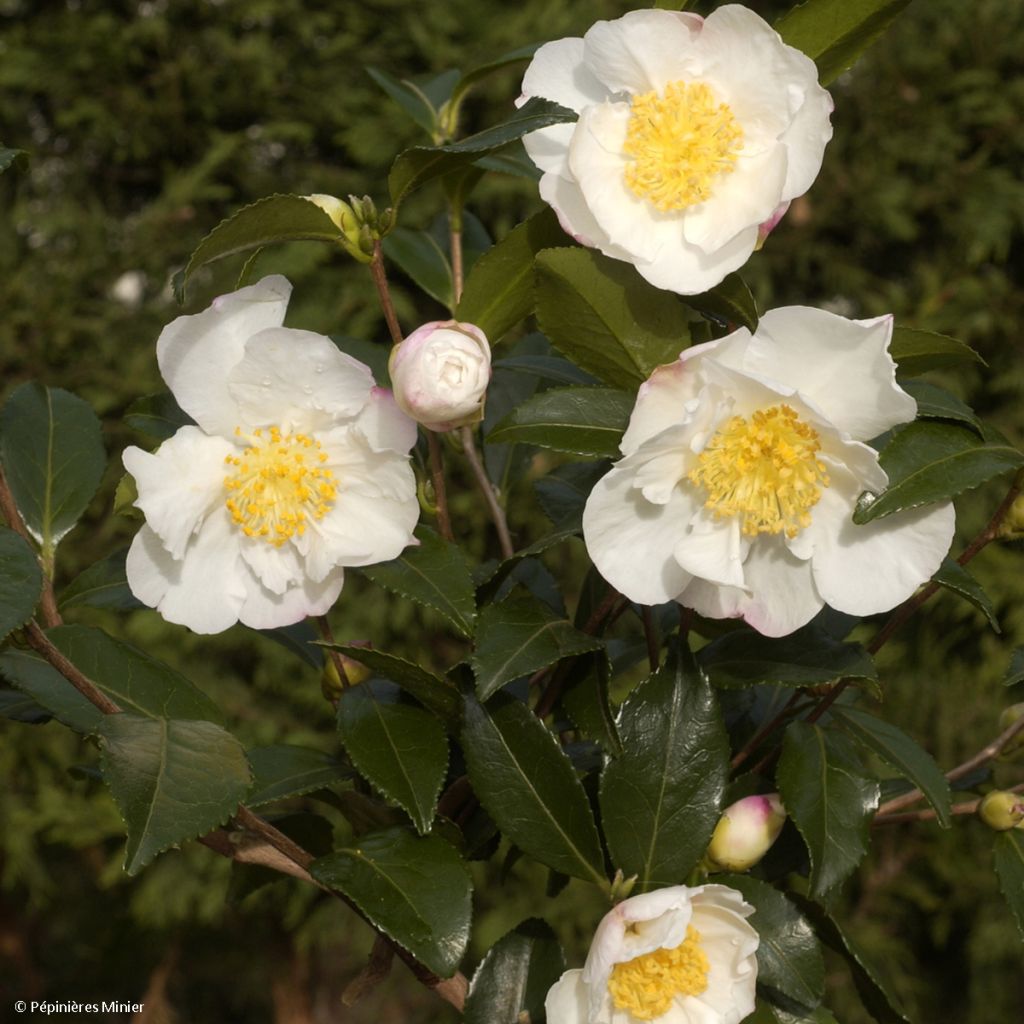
630 540
297 380
805 140
783 596
196 353
574 216
566 1001
264 610
548 148
384 425
660 403
179 484
713 601
275 568
558 72
205 590
841 366
712 549
642 50
866 569
688 270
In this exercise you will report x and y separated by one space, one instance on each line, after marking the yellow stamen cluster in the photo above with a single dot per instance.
279 485
679 144
647 985
765 470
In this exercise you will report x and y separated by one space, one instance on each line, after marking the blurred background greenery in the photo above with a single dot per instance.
147 121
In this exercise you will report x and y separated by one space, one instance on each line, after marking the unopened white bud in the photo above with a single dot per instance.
745 832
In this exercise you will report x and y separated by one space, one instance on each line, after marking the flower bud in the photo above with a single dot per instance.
745 832
1010 715
1001 810
345 220
1012 526
440 374
330 682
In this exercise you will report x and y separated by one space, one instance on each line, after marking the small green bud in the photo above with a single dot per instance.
330 682
345 219
1002 810
1012 526
621 886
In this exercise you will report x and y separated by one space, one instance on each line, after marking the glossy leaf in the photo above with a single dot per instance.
563 493
283 770
52 453
660 799
789 959
934 402
157 415
506 463
422 258
900 753
499 289
1009 859
805 658
21 581
729 302
136 682
434 573
585 700
402 750
518 637
430 690
489 578
582 420
606 318
955 577
830 799
834 33
551 368
415 889
269 221
919 351
103 585
172 780
513 979
409 96
930 461
528 786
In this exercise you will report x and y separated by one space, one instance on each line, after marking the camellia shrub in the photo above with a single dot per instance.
749 504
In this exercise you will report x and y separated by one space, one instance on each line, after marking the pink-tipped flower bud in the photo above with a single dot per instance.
440 374
1002 810
745 832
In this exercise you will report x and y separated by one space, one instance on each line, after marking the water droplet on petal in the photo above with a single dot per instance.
308 388
266 382
319 368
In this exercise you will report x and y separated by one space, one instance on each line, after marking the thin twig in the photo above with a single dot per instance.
456 250
42 644
755 741
380 279
927 814
336 660
488 492
444 519
650 637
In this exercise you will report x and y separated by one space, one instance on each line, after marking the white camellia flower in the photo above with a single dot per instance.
676 956
440 374
297 467
694 135
743 462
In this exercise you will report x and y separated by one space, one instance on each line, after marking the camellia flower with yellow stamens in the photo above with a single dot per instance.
675 956
297 467
743 461
694 134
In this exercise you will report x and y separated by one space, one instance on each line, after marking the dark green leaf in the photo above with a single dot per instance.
8 157
955 577
585 700
552 368
409 96
103 585
1015 671
499 288
133 680
660 799
470 78
301 639
402 750
518 637
789 959
563 493
510 159
901 754
21 581
431 691
804 658
414 889
582 420
157 415
607 319
506 463
514 977
730 302
1009 858
918 351
928 461
420 256
53 456
434 573
528 786
937 403
830 800
172 780
834 33
19 708
269 221
283 770
417 166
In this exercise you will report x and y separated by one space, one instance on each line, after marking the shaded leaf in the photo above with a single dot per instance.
409 96
282 770
19 708
21 581
301 639
9 157
526 783
564 491
585 699
830 799
402 750
518 637
955 577
52 453
729 302
103 585
918 351
660 799
934 402
415 889
172 780
552 368
157 415
470 78
421 257
606 318
1015 670
1009 859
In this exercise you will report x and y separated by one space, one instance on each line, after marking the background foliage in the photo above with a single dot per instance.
146 123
